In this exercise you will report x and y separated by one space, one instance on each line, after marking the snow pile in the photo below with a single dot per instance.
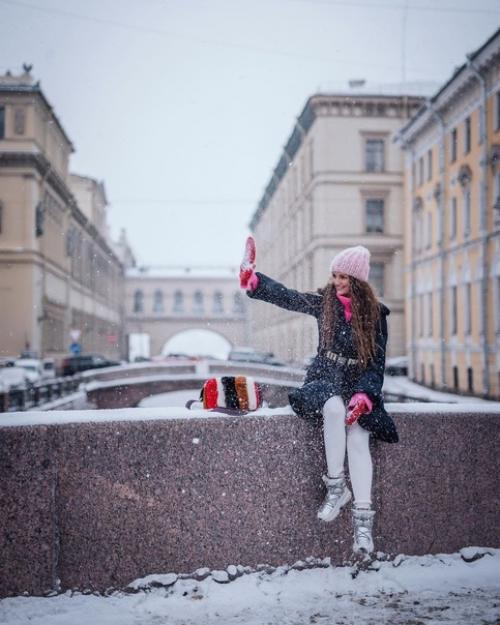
462 589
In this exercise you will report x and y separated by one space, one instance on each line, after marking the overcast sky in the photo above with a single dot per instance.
182 107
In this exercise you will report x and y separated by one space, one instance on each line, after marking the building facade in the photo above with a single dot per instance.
339 182
162 302
59 277
452 200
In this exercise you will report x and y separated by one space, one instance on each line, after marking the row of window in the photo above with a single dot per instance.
455 371
425 304
198 302
423 171
424 240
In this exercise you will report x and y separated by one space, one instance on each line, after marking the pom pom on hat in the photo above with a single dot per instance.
353 261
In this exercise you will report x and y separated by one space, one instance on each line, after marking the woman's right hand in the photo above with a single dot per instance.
248 278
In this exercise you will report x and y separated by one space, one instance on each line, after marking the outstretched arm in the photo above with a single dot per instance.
259 286
269 290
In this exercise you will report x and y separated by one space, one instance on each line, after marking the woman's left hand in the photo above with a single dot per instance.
360 404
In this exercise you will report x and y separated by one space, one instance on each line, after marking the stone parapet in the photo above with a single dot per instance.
96 504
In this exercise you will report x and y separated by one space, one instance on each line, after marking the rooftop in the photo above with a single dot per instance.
24 83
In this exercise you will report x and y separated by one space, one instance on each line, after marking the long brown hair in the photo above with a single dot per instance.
365 317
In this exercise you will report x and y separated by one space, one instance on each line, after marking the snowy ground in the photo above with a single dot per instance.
175 398
424 590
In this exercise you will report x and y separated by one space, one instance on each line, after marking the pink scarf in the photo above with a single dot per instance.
346 303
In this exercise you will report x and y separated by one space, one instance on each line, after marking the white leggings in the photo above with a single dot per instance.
358 450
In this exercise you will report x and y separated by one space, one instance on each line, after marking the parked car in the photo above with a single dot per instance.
248 354
12 378
33 368
83 362
48 368
396 366
29 353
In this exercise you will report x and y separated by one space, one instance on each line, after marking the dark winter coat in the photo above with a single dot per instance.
325 378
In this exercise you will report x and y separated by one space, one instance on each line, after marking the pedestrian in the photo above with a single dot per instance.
343 383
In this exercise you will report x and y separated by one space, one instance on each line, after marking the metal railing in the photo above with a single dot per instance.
43 392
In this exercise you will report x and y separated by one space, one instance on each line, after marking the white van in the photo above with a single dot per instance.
33 368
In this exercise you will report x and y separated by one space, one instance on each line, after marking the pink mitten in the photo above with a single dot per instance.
248 279
360 404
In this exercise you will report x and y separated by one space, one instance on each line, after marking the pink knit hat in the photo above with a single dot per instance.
353 261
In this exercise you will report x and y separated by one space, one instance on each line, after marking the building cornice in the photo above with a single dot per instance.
462 78
42 166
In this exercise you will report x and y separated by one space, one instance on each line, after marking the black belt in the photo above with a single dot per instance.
341 360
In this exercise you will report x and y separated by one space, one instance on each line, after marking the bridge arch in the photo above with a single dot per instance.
198 342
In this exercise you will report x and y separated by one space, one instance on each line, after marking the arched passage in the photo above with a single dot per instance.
197 342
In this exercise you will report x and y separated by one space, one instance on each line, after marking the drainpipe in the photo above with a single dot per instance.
407 147
483 195
414 305
442 253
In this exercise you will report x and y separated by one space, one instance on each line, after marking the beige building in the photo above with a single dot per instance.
452 149
57 271
338 182
162 302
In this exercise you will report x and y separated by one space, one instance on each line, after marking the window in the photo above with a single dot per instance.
498 303
1 217
2 122
421 170
453 145
19 121
158 301
468 309
430 312
375 215
455 378
467 211
480 130
429 164
467 140
421 315
374 155
377 271
429 230
218 306
138 301
238 305
198 302
497 111
496 197
178 302
453 310
470 379
453 218
39 219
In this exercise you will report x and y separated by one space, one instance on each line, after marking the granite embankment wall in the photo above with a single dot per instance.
95 504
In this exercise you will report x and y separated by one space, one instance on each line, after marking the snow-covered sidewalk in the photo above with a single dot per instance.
453 589
401 385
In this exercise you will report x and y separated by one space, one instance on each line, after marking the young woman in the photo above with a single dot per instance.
343 383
